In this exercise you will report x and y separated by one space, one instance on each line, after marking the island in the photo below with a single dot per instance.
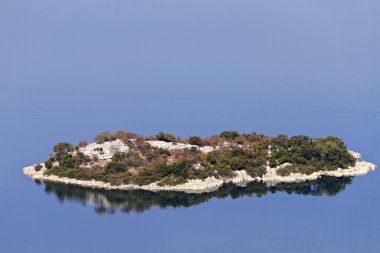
164 162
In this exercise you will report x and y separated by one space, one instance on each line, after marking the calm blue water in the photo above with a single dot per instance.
70 69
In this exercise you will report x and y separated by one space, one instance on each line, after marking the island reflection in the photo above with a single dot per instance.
107 202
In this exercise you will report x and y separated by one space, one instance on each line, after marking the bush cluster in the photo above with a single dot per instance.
157 153
161 136
66 157
309 154
229 135
122 135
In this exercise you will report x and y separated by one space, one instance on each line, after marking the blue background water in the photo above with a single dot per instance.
70 69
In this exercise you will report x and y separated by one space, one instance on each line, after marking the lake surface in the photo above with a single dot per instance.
330 216
71 69
109 202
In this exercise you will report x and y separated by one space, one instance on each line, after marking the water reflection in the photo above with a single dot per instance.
140 201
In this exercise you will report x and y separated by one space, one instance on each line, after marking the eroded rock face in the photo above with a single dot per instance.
175 145
104 150
206 149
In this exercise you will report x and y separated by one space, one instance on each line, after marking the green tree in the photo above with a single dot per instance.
161 136
62 150
229 135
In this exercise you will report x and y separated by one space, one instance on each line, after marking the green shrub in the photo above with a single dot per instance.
285 171
49 163
154 153
256 171
238 163
229 135
67 162
119 157
115 167
179 171
296 168
130 159
224 170
165 137
80 158
211 158
272 162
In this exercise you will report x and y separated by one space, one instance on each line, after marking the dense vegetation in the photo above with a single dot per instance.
231 152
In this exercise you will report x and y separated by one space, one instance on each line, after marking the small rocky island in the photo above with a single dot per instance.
128 161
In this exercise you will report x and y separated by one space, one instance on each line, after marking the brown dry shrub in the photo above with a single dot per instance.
214 140
38 167
195 140
258 138
104 136
83 144
142 145
124 135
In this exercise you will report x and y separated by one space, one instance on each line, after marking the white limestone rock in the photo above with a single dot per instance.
177 145
104 150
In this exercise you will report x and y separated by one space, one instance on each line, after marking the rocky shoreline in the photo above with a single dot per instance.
209 184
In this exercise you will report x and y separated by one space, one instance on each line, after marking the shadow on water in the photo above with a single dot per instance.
107 202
